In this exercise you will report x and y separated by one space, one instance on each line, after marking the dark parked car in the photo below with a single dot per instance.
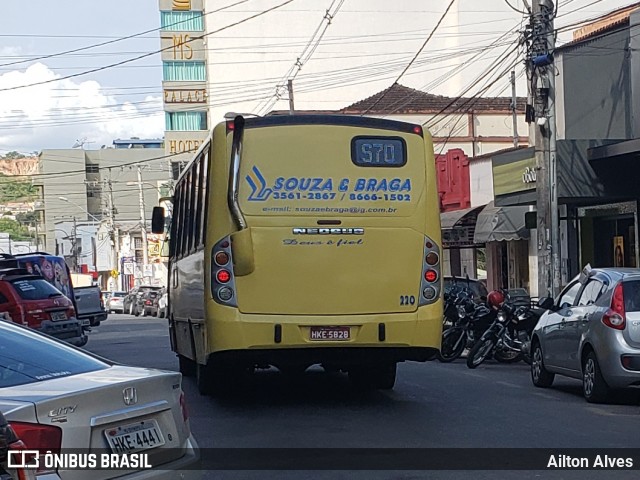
131 302
148 303
477 288
90 305
519 297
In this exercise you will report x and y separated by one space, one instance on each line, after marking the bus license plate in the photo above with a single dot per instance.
55 316
330 333
134 437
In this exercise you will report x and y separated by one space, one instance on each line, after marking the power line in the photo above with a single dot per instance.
119 39
342 77
139 57
416 55
306 54
514 8
401 104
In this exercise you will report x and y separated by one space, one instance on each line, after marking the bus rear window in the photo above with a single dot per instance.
378 151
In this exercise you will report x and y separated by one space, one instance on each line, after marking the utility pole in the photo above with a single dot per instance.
143 220
290 88
75 245
113 233
514 108
542 85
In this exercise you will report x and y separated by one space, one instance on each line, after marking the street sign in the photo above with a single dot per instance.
115 273
128 268
148 270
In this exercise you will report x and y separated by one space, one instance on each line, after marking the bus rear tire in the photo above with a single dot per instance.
382 377
187 366
203 379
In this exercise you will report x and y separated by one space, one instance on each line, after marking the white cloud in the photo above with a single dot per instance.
54 115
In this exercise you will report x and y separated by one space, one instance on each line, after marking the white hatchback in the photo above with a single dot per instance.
59 398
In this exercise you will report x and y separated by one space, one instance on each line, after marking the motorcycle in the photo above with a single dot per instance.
452 300
473 319
508 338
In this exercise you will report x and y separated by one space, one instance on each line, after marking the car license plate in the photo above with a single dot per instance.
55 316
86 322
134 437
330 333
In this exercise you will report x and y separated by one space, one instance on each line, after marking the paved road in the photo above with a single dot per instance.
433 405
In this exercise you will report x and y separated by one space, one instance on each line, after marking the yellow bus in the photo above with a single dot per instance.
303 240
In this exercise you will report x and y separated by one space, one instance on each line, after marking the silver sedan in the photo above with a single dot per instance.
57 397
591 332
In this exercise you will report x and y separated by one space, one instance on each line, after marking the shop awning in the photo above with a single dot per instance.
450 219
458 227
497 224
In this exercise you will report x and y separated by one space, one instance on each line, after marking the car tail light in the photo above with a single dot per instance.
18 315
39 437
183 407
44 438
430 281
615 316
20 473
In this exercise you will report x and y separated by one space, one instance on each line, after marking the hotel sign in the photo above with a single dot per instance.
183 145
181 5
182 47
198 95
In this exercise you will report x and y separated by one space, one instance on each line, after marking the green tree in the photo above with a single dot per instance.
14 229
12 189
28 218
13 155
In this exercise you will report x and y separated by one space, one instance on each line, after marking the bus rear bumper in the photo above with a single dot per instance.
340 357
378 338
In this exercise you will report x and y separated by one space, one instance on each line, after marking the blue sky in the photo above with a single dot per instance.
126 101
49 117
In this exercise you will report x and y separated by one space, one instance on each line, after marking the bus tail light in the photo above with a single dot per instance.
221 258
431 276
430 282
223 285
223 276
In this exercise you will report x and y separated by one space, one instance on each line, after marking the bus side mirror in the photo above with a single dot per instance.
242 251
157 220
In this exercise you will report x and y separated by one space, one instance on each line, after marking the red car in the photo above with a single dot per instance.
30 300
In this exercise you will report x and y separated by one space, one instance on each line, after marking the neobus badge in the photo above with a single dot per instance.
328 231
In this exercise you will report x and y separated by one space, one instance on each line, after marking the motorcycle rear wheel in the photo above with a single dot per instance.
453 343
480 352
507 356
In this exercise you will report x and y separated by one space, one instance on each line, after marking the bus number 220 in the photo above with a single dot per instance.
407 300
